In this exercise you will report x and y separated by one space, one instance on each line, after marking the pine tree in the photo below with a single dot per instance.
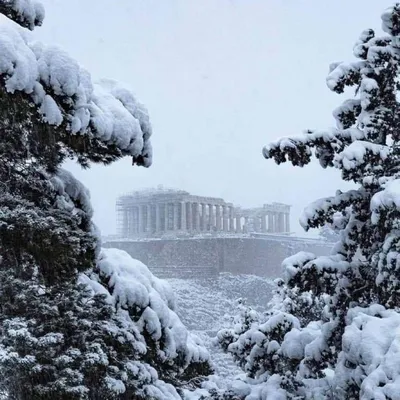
64 331
333 331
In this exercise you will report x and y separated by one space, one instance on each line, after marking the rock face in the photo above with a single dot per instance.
203 256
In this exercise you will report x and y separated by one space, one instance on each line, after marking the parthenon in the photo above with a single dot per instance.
156 212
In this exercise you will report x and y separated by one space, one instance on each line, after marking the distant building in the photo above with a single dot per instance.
159 212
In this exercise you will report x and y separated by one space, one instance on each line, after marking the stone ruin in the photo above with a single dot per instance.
162 211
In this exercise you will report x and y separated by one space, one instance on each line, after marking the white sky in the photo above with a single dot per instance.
220 78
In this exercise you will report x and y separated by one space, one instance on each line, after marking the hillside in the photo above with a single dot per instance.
205 305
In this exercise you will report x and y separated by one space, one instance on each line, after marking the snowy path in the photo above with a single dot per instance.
205 305
224 366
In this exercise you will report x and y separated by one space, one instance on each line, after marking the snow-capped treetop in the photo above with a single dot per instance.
103 114
27 13
361 119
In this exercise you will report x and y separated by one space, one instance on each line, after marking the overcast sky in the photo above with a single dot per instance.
220 78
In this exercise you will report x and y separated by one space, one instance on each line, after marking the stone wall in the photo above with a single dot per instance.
242 255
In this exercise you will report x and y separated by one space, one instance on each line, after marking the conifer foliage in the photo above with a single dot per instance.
333 332
76 322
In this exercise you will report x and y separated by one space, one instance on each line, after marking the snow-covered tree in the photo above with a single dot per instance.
76 322
334 331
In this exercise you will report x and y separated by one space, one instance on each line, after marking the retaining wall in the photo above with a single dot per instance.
261 255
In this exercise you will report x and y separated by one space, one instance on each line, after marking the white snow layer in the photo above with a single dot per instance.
387 23
74 197
340 71
64 92
371 353
132 285
328 206
70 191
331 137
355 154
388 198
30 12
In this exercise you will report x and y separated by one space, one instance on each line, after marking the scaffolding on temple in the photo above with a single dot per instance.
158 211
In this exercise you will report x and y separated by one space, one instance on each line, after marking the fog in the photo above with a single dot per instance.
220 78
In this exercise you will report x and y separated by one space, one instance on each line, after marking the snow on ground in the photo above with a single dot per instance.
205 305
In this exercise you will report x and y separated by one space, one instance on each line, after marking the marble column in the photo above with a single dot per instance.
256 223
129 222
281 222
211 217
158 218
140 219
204 217
124 230
133 222
218 217
238 224
224 218
126 223
166 216
189 216
176 216
148 222
231 219
183 216
263 223
246 225
271 222
287 223
196 212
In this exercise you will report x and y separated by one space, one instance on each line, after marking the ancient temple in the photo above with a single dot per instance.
156 212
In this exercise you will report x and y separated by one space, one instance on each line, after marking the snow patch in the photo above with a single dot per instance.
388 198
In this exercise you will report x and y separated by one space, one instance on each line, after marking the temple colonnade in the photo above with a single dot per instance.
157 212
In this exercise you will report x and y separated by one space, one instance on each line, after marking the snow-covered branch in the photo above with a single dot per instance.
298 149
27 13
321 210
66 97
